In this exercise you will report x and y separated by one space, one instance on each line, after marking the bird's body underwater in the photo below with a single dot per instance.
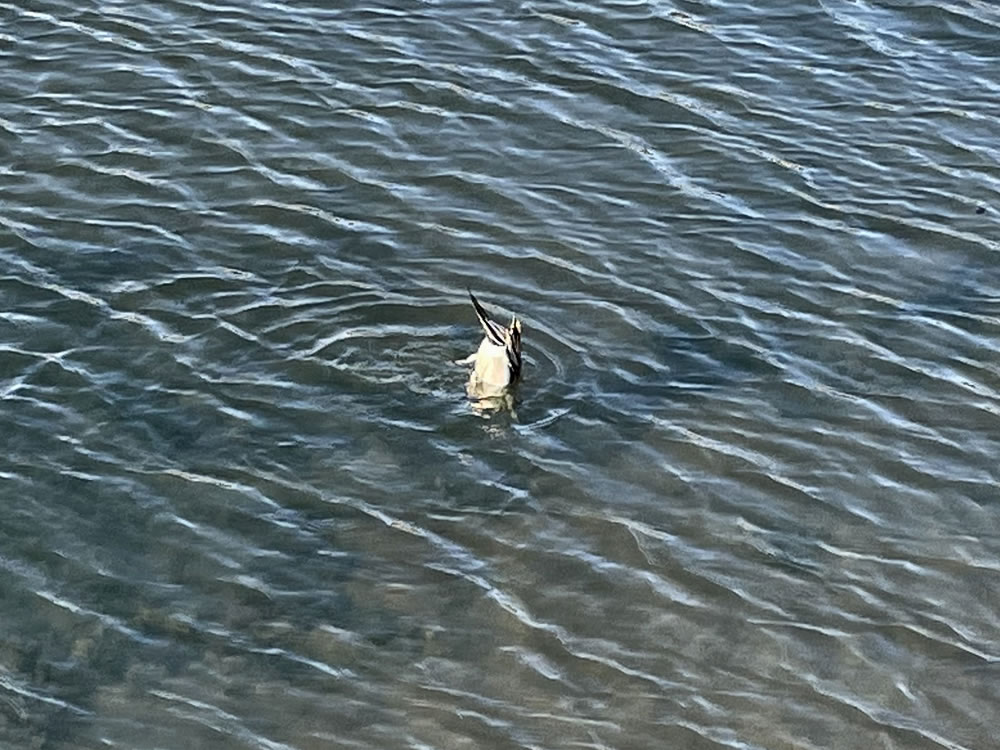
497 362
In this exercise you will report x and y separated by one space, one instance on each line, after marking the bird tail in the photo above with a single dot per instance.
494 331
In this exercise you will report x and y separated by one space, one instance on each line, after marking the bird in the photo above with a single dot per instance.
497 362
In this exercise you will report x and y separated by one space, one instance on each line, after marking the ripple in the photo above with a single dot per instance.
744 494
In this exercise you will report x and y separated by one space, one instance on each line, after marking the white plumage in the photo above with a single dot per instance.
497 362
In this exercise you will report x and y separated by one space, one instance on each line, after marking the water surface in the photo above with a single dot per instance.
746 497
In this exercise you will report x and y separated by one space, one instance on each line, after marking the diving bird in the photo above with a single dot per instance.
497 362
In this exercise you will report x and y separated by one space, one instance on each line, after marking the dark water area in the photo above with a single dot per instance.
744 497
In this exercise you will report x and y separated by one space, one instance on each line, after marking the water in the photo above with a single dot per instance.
746 497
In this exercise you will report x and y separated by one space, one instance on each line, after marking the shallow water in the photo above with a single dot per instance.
746 496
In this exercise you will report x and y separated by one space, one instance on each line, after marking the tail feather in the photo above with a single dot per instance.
494 331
